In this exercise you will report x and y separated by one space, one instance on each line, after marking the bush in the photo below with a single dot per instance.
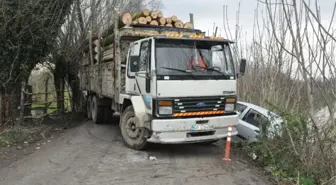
301 154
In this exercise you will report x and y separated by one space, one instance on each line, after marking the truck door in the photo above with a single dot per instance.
143 76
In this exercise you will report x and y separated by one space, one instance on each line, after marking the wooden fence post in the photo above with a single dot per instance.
46 96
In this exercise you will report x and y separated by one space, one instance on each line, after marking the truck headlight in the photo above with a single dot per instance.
229 107
230 104
165 107
165 110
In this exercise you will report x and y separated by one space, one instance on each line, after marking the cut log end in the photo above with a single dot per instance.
149 19
154 15
154 22
162 21
174 18
178 24
169 20
169 25
188 25
142 20
146 12
126 18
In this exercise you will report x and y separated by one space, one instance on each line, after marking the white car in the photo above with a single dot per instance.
252 118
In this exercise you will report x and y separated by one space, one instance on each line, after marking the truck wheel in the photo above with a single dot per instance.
88 107
133 137
98 111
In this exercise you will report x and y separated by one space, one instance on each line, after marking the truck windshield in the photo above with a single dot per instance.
201 58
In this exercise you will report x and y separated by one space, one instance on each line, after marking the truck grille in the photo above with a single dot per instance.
199 104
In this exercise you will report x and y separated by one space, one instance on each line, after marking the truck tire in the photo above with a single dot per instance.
133 137
88 107
98 112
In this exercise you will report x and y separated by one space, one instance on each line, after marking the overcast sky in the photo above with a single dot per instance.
208 12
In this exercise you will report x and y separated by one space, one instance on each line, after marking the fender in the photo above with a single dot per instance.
142 117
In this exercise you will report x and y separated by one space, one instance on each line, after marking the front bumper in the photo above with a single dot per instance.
189 131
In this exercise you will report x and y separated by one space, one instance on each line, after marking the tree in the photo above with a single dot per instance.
28 30
67 53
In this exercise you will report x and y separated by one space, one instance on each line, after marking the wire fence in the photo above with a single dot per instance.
22 102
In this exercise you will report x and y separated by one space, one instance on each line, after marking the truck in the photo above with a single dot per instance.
169 85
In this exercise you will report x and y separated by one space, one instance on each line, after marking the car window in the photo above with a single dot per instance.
255 118
240 108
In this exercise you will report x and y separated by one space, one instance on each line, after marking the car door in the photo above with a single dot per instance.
141 75
250 124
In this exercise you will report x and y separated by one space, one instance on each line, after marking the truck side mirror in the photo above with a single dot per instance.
242 66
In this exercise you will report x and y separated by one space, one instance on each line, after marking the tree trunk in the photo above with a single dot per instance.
59 86
9 103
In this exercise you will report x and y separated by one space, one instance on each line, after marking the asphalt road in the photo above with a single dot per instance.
95 155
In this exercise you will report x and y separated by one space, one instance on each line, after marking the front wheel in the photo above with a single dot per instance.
132 134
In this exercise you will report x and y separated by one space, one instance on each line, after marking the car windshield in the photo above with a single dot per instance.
201 58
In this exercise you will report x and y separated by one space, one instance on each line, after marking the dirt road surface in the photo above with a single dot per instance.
95 155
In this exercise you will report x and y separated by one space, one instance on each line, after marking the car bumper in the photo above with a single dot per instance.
188 131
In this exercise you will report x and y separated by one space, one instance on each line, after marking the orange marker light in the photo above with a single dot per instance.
165 103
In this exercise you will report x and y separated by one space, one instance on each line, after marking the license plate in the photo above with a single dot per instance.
201 127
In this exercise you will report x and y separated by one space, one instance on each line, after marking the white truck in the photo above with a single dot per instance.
170 85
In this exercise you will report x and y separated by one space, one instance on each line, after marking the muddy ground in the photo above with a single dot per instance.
95 154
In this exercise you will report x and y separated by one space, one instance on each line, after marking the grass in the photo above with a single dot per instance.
53 104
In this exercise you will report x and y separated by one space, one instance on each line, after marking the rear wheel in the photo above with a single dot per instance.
97 111
133 136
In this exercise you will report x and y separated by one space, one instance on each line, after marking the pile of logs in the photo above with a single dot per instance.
155 18
102 50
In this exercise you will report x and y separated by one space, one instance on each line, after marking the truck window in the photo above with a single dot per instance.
143 56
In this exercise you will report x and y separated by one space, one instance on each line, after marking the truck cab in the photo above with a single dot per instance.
178 89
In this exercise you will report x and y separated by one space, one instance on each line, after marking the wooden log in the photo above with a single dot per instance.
169 25
108 47
139 14
125 18
169 20
188 25
142 20
178 24
162 21
148 19
174 18
96 42
108 52
108 57
159 14
96 58
154 22
154 15
96 49
108 40
146 12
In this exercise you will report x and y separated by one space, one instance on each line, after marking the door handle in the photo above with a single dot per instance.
257 131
